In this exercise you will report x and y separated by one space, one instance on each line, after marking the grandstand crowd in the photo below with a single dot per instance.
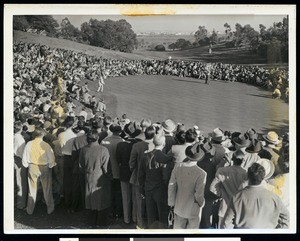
153 173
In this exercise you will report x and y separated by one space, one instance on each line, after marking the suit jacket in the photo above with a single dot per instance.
170 141
136 158
257 208
111 143
123 156
186 190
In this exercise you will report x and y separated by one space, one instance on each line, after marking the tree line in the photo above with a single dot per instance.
265 42
109 34
118 35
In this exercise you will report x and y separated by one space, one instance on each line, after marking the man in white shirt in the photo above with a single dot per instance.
21 185
39 158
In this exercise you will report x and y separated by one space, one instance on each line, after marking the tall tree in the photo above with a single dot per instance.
228 31
182 44
251 36
20 23
214 37
43 22
201 34
238 34
115 35
69 31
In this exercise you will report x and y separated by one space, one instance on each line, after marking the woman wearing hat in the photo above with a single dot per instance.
186 190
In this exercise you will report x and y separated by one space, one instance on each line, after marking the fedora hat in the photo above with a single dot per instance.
271 137
115 128
195 152
251 133
168 125
130 129
269 167
242 140
255 146
217 135
208 148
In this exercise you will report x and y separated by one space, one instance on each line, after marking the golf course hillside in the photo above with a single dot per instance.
71 45
220 53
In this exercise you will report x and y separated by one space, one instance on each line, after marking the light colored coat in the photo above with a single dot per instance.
186 190
257 208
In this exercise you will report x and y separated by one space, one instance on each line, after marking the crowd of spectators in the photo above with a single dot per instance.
156 174
36 66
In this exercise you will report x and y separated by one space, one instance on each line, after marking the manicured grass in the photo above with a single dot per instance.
231 106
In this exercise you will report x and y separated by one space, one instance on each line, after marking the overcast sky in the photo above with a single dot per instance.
179 23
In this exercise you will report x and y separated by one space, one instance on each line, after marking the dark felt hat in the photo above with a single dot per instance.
115 128
251 133
130 129
208 148
255 146
242 140
195 152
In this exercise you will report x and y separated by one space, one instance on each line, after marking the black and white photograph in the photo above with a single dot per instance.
150 119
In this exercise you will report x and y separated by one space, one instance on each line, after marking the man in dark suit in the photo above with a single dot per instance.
136 157
123 156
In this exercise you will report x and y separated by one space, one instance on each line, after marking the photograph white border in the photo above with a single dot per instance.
135 9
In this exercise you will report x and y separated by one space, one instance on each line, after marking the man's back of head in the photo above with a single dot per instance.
256 174
150 132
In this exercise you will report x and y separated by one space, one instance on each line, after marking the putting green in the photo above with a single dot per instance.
230 106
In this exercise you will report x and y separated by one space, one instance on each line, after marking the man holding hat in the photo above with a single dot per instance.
186 189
